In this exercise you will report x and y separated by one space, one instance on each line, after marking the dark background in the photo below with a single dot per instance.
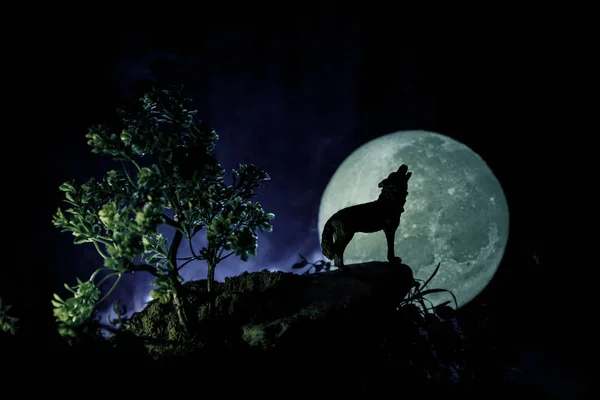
295 95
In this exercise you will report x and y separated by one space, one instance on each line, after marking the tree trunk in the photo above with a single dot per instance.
210 286
211 278
178 300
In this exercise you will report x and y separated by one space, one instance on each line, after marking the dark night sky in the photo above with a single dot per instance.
295 97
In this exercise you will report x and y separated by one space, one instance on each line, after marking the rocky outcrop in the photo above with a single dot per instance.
276 330
330 296
267 310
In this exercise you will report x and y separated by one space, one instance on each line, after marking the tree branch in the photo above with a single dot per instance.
136 164
226 255
104 256
237 228
185 263
192 250
171 222
145 268
174 248
127 175
197 229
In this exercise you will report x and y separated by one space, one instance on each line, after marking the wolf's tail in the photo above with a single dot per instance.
327 245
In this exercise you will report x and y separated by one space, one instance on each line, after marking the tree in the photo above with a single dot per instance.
166 163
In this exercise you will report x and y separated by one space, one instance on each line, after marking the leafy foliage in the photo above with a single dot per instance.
76 310
7 323
166 166
119 311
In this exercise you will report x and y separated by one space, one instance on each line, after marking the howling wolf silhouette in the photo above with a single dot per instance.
381 214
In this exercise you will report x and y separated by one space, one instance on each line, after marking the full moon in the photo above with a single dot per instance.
455 213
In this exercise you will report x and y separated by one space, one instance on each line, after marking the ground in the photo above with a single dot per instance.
293 328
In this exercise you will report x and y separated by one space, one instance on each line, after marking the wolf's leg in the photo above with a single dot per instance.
342 242
390 236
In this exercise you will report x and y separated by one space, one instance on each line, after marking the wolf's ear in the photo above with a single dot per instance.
408 175
385 182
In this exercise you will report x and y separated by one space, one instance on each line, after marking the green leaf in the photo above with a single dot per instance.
154 258
68 187
69 288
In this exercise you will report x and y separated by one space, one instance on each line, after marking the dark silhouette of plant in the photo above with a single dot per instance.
419 339
318 266
120 312
419 292
167 176
8 323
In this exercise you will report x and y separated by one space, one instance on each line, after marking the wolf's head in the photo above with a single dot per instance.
397 180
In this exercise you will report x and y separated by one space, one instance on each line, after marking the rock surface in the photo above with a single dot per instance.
266 310
322 296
